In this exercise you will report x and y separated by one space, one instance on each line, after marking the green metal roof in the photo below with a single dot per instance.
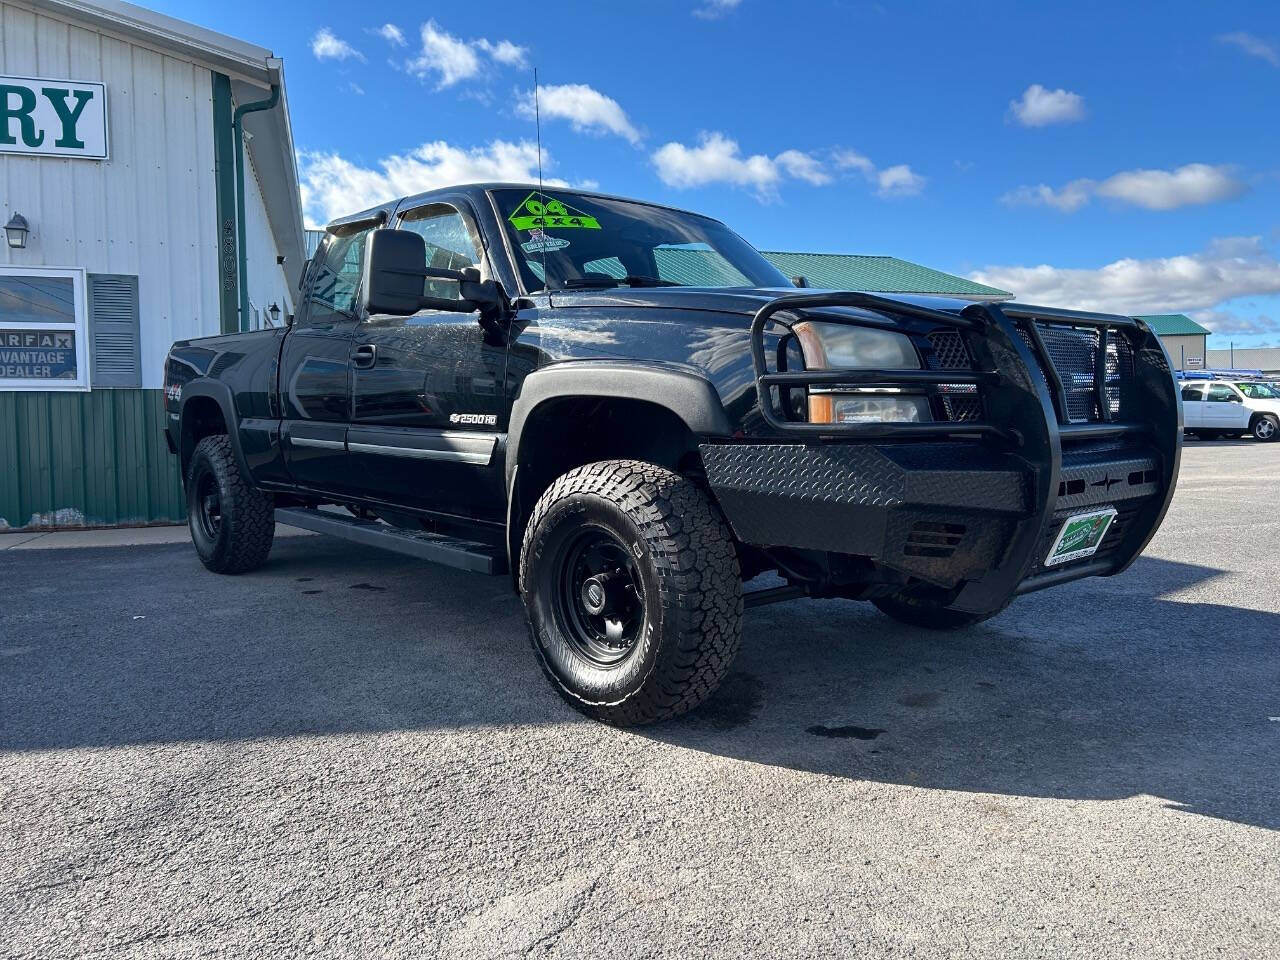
1174 325
845 271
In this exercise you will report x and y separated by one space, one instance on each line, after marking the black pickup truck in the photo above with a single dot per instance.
632 411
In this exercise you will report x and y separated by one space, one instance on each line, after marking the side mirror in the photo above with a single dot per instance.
394 268
800 281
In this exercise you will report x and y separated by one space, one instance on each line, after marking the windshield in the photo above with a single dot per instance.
598 243
1259 391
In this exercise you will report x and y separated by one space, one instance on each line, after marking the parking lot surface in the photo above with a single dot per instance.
352 752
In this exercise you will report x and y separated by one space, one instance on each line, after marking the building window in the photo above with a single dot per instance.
42 329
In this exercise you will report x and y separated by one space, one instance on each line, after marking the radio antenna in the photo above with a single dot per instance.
537 121
540 236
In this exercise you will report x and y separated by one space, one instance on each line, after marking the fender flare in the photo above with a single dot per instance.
220 393
691 397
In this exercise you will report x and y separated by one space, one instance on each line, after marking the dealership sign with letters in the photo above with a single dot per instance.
55 118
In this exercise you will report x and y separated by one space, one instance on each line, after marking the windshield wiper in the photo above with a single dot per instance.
579 283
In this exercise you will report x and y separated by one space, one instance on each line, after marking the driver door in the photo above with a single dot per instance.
1226 407
429 392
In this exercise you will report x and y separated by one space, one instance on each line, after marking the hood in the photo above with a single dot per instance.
734 300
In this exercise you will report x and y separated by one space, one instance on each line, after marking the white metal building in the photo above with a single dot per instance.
118 145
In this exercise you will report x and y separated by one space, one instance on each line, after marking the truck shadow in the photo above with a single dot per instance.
1103 689
1099 690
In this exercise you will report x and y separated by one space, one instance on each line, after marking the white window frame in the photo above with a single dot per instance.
84 362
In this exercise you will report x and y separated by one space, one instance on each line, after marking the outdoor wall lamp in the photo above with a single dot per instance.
16 231
274 310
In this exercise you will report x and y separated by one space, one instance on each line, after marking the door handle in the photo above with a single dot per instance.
365 356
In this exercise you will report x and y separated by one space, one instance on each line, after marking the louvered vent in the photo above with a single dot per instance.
114 330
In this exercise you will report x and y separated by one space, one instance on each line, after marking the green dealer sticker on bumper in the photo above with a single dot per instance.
1080 536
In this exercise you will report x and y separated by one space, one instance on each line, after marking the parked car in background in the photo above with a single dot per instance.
1220 408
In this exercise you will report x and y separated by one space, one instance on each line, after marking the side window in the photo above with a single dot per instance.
1193 392
335 276
1221 393
450 245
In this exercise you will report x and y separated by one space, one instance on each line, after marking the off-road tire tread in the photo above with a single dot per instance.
251 514
697 566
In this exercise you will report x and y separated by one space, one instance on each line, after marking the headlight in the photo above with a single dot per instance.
835 346
839 345
876 409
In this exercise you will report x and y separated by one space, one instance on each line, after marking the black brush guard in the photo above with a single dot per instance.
1025 423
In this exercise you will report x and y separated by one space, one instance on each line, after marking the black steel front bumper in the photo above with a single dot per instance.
970 507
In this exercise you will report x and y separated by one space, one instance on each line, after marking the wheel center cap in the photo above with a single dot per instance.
594 597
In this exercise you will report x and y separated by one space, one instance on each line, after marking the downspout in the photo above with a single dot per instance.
238 128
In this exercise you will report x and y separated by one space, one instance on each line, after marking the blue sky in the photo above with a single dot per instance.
1116 156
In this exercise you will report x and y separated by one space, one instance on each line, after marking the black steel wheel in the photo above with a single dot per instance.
600 600
232 523
631 584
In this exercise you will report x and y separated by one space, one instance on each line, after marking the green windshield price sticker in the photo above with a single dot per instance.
550 214
1080 536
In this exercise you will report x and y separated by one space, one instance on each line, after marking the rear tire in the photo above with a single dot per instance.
929 614
631 584
1265 428
232 523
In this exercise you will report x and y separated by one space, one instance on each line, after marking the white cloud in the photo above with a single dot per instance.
853 160
333 186
392 34
1191 185
896 181
1228 269
803 166
1194 184
899 181
326 46
717 159
1230 322
504 52
1040 107
1067 199
587 109
1254 46
715 9
444 55
452 60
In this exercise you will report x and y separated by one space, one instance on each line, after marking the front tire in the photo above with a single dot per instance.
1265 428
631 584
232 523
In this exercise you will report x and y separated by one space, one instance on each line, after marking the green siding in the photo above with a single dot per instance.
86 460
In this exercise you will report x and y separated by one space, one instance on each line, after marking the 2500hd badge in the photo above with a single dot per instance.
633 413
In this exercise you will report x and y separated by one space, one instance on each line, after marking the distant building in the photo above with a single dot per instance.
1266 359
1182 337
877 274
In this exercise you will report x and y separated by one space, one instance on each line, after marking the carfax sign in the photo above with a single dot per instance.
56 118
37 355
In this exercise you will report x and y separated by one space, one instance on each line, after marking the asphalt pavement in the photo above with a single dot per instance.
352 753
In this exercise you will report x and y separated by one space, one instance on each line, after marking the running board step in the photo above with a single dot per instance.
450 551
